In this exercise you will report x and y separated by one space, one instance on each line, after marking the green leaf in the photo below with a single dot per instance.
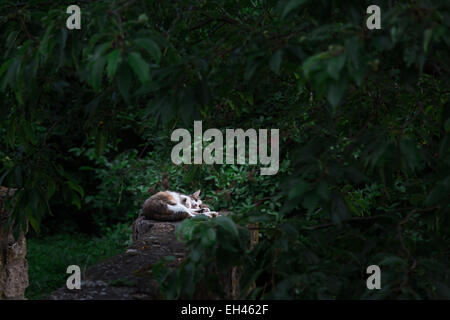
62 46
447 125
18 176
339 209
139 66
291 5
5 66
124 81
298 189
410 152
100 50
250 69
113 62
208 237
322 190
43 47
310 201
392 260
211 234
438 193
11 40
33 221
275 61
10 76
100 143
28 131
76 187
4 175
443 291
426 39
227 224
51 188
314 63
334 66
444 147
97 73
142 18
76 201
355 175
289 230
336 91
151 47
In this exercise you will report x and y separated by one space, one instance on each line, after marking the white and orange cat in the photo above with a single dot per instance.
174 206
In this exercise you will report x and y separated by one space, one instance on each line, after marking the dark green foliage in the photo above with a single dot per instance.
364 119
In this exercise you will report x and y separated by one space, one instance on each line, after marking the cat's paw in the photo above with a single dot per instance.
213 214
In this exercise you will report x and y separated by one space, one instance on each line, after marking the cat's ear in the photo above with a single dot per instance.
196 194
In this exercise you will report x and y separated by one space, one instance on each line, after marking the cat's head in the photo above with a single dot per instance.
196 202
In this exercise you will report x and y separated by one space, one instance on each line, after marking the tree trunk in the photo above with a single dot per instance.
13 265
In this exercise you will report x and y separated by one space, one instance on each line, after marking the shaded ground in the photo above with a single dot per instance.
128 275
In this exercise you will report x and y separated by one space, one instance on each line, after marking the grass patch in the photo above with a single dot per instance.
49 257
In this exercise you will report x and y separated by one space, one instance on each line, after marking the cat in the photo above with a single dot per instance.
195 200
174 206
